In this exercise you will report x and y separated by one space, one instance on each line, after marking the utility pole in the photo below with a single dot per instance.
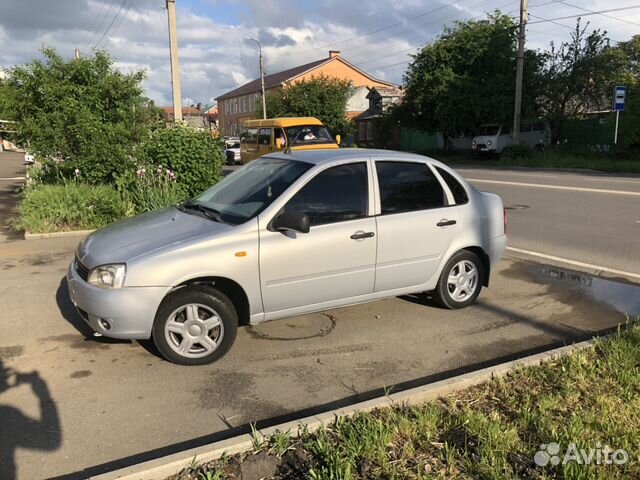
175 64
264 99
519 68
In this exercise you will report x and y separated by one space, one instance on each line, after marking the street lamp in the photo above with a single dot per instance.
264 99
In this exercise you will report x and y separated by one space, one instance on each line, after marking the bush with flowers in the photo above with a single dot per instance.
149 189
192 155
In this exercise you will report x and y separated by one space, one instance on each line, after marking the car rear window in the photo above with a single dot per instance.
408 187
459 193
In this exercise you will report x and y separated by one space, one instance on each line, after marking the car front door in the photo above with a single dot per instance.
415 225
335 260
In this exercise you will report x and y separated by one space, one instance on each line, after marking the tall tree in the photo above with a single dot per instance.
466 77
322 97
78 113
579 76
630 132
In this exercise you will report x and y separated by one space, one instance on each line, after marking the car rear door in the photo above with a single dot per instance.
336 259
415 224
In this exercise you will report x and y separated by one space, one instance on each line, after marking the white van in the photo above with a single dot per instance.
493 138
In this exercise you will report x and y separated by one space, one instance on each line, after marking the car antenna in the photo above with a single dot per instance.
288 149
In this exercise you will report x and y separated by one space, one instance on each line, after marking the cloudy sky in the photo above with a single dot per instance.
377 35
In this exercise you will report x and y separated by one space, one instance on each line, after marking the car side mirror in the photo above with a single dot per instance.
291 221
338 139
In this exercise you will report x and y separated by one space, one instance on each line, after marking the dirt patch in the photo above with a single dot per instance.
12 351
297 328
233 396
81 374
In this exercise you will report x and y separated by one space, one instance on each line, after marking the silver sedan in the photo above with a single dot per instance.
289 234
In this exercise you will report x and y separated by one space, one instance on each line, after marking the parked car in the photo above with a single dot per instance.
260 137
494 138
232 151
289 234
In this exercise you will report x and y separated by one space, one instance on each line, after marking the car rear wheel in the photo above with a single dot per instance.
460 281
195 325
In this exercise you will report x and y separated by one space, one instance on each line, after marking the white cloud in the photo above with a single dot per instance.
215 58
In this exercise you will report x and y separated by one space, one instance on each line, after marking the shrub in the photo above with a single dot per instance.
514 152
79 113
192 155
149 189
69 206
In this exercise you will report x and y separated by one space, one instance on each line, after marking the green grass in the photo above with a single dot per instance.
491 431
549 159
69 206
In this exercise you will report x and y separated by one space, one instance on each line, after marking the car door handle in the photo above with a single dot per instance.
361 235
445 223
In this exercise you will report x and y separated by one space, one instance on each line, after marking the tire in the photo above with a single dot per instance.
451 295
211 319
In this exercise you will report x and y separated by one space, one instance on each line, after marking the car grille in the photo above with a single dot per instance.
83 272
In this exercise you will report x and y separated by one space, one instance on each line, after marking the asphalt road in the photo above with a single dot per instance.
585 217
73 403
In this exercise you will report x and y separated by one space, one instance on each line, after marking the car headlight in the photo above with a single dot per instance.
489 142
108 276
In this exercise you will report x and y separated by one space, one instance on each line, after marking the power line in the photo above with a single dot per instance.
441 19
111 24
414 47
599 13
441 7
586 14
104 15
115 29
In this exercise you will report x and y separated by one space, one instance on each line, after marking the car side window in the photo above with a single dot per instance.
408 187
459 193
334 195
264 136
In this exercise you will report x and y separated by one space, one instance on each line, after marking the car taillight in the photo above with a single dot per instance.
504 216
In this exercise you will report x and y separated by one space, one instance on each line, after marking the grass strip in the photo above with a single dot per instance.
589 400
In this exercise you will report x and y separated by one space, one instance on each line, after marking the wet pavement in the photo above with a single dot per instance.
117 402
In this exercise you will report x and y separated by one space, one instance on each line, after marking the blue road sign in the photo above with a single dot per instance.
619 97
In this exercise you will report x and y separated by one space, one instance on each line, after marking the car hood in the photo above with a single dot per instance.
128 239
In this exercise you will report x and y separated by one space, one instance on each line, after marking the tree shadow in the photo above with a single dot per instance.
21 431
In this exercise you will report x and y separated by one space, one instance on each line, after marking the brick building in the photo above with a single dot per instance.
241 104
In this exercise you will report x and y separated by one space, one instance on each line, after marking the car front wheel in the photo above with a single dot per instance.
195 325
460 281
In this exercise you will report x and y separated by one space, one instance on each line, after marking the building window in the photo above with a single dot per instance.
369 130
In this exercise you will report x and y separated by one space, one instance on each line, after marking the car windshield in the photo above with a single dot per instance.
233 145
489 129
248 191
309 135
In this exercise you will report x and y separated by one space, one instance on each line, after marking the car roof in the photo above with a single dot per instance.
282 122
324 156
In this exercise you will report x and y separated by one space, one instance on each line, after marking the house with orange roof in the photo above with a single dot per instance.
241 104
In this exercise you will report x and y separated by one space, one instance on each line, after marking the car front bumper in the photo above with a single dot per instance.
126 312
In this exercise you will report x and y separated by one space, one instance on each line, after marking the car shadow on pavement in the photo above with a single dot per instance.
72 316
21 431
260 424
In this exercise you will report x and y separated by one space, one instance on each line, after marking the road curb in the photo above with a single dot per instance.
42 236
163 467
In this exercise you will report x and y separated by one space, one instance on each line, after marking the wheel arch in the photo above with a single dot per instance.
484 258
230 288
